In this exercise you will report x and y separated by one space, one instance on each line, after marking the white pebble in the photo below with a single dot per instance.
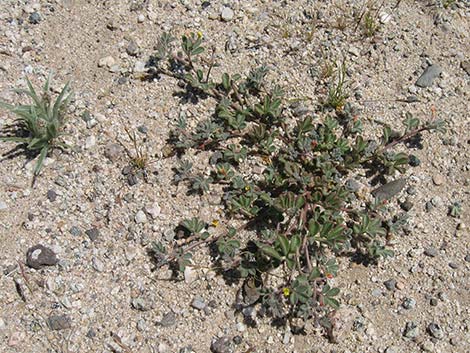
227 14
140 217
90 142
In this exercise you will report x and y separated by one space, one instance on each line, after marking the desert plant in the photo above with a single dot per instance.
337 94
42 120
297 212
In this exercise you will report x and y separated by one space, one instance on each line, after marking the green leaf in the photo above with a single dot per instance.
42 156
284 243
197 51
271 252
294 244
331 302
226 81
313 227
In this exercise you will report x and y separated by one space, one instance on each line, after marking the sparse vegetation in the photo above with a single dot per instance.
40 124
297 215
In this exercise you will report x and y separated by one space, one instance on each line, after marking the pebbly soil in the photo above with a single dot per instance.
104 295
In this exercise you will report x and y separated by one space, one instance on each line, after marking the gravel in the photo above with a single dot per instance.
99 274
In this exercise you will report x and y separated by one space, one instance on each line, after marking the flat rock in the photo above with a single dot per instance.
389 190
112 151
428 76
39 256
59 322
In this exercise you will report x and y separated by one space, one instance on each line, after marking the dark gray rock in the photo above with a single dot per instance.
39 256
431 252
389 190
221 345
413 160
169 319
59 322
91 333
390 284
411 330
51 195
465 65
132 179
35 18
75 231
132 48
407 205
409 303
428 76
93 233
435 330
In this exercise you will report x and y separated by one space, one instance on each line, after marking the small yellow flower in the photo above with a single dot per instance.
215 222
247 188
286 291
199 34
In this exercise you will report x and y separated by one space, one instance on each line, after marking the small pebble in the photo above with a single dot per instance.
51 195
431 252
435 330
59 322
141 18
227 14
438 179
93 233
411 330
75 231
97 264
409 303
140 217
407 205
132 49
221 345
198 303
140 304
3 205
39 256
169 319
34 18
413 160
90 141
428 76
390 284
112 151
106 61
